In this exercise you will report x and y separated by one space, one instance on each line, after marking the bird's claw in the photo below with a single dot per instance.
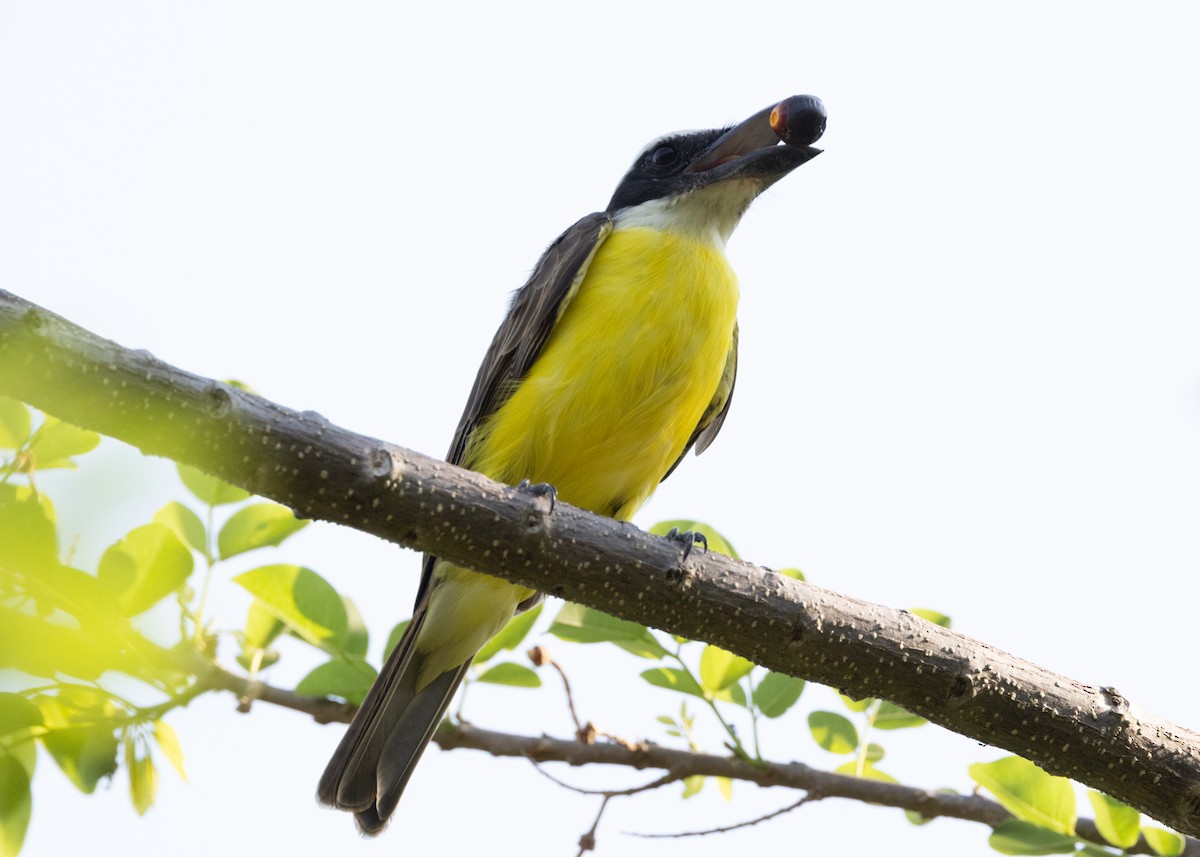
687 538
539 489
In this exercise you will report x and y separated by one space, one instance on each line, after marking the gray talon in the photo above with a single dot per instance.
687 539
539 489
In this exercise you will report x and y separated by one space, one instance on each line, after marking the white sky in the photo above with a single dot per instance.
970 369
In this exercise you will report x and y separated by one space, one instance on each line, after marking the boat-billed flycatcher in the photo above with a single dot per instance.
616 358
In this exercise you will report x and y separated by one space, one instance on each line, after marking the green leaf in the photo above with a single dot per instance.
931 616
143 777
857 705
394 637
513 675
833 732
240 385
733 693
18 761
144 567
55 442
17 714
357 639
62 588
719 668
16 804
1118 823
692 785
28 535
168 742
725 784
892 716
1015 836
40 648
776 693
262 627
257 660
23 748
348 679
184 523
1164 842
1029 793
578 624
875 753
793 573
14 423
302 599
256 526
671 678
680 681
86 754
209 489
510 636
866 772
915 818
716 541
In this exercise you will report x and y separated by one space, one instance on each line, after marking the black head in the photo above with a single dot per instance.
751 151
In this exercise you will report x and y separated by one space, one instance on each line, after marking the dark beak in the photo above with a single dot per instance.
756 147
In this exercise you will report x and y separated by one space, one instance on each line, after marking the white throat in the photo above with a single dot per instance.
709 214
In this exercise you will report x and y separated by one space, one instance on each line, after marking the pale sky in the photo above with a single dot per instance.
969 377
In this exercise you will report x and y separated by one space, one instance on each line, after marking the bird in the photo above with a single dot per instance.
617 356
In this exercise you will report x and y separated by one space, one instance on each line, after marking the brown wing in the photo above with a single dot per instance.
518 342
535 309
714 415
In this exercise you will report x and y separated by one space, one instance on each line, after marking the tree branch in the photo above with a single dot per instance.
679 764
1090 734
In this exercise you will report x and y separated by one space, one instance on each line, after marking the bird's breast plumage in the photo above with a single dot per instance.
625 376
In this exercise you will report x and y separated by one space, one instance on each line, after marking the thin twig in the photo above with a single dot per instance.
587 842
808 798
540 656
664 780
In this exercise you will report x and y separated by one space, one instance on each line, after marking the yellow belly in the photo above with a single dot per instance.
624 377
604 412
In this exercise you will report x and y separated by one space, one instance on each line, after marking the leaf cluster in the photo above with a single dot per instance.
71 636
1045 813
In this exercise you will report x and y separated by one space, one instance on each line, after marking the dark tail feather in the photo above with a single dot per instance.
379 751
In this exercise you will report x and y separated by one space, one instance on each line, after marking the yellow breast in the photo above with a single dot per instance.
624 377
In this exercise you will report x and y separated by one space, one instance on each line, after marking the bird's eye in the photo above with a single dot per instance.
664 156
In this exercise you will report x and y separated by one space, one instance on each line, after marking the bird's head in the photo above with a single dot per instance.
702 182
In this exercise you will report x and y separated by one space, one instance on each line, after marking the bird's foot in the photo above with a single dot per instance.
687 538
539 489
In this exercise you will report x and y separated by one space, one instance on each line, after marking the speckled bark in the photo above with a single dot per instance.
322 471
